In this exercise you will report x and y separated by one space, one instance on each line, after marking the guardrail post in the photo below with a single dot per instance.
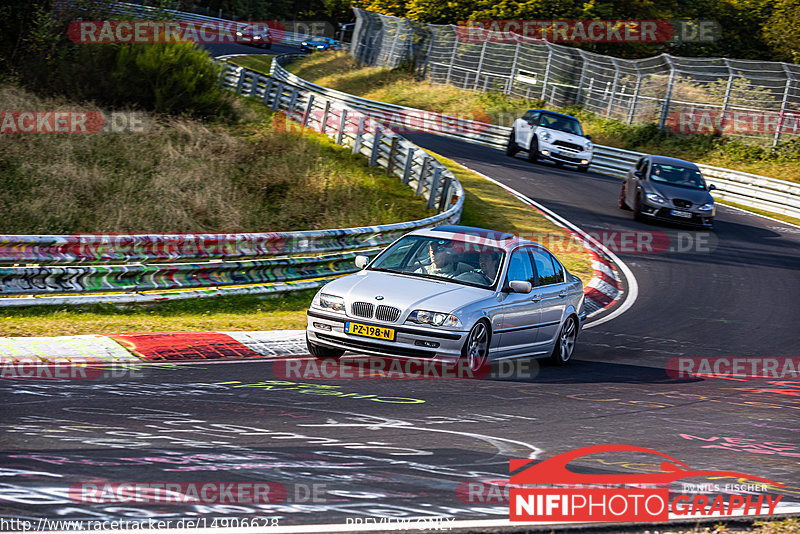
359 133
376 148
293 101
422 172
240 83
267 90
409 163
254 85
392 156
448 181
309 108
324 122
276 104
342 125
437 173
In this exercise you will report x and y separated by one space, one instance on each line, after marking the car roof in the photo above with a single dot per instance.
672 161
494 238
554 113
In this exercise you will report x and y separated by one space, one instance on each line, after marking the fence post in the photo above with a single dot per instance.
422 172
359 133
324 122
428 54
342 126
480 65
409 163
547 70
267 89
392 156
514 61
613 87
376 148
437 173
727 99
309 107
452 59
665 109
448 180
276 104
584 65
777 137
632 109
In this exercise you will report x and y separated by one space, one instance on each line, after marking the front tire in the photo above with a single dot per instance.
565 343
533 151
318 351
476 348
511 147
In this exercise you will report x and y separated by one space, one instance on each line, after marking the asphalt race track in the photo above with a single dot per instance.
343 451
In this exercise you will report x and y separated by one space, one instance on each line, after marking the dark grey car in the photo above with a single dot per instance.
668 189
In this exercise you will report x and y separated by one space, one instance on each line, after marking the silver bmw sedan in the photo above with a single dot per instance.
450 293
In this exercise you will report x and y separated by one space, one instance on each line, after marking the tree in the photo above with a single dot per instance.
782 30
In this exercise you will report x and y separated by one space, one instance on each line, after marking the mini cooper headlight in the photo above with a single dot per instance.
708 206
331 302
434 318
588 146
652 197
546 136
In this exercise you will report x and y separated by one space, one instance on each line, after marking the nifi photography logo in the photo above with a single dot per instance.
548 491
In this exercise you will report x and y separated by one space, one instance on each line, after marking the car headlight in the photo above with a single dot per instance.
708 206
304 43
331 302
434 318
546 136
238 34
588 146
652 197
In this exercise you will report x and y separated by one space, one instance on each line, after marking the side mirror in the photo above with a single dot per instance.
361 261
587 136
520 286
712 187
638 174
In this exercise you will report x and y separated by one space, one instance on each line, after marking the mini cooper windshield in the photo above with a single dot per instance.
677 176
561 123
443 259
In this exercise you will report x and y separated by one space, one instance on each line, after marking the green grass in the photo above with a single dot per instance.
258 63
338 70
486 205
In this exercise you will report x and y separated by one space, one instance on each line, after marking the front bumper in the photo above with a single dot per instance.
664 213
564 155
327 329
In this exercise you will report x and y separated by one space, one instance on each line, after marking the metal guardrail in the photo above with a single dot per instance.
120 267
750 190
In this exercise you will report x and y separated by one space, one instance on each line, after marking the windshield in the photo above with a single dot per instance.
454 261
677 176
561 123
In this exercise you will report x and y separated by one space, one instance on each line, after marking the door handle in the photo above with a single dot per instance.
536 298
562 294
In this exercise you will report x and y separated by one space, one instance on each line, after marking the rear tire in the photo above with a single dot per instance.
533 151
565 343
318 351
511 147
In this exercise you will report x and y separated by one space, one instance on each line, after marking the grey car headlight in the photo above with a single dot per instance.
434 318
331 302
708 206
652 197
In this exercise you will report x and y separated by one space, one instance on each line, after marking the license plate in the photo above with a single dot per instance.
684 214
366 330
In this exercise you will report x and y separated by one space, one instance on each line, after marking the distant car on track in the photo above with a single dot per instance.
450 293
254 35
552 136
316 44
668 189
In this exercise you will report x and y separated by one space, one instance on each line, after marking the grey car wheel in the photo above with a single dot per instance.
511 147
476 347
318 351
565 344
